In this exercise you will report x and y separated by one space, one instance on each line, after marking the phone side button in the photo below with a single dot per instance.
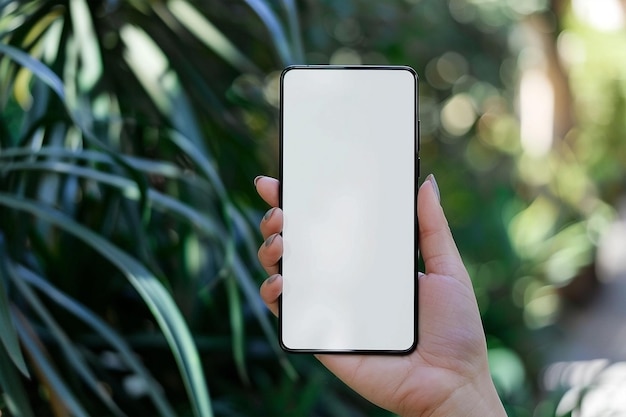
419 135
418 167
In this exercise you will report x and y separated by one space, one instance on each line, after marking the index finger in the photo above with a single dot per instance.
267 187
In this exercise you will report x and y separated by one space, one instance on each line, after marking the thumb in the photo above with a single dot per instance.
436 243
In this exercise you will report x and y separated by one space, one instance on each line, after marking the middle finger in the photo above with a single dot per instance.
272 222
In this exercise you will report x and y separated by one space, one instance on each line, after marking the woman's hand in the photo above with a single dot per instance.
448 373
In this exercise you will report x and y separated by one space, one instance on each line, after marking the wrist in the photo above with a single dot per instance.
478 398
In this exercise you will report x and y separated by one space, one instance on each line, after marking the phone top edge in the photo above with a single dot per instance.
350 67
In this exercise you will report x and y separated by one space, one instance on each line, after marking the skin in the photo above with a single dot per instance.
448 374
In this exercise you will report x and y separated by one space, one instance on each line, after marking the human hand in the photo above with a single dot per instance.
447 374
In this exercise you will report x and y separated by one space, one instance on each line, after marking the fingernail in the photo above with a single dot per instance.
271 279
270 239
269 213
433 182
258 177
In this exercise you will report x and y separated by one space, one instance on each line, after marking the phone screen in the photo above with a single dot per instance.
349 156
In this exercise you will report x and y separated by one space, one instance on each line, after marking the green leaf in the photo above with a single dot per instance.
273 25
294 30
210 35
87 43
251 292
7 329
129 189
237 328
46 75
203 162
157 299
162 168
37 67
54 381
154 390
72 355
14 393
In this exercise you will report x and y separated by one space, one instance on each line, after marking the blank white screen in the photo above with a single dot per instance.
348 196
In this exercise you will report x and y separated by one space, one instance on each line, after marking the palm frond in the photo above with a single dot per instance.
154 390
155 296
122 146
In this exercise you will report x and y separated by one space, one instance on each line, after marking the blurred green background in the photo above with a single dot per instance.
131 131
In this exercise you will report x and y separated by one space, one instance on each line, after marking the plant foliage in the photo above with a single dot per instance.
122 247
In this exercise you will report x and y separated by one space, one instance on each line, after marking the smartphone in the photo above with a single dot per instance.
349 169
